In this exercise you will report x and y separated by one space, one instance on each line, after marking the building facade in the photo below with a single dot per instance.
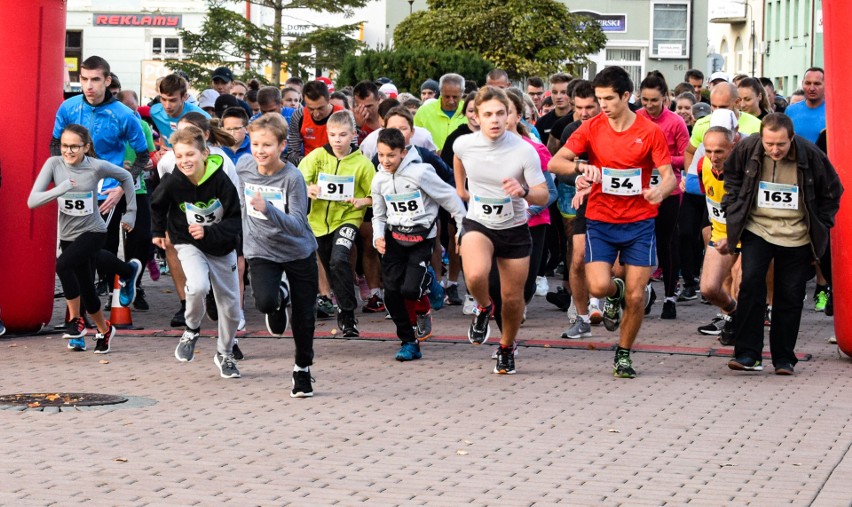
736 35
794 41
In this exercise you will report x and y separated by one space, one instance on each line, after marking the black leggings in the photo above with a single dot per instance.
405 276
667 242
692 210
137 243
334 251
76 267
113 237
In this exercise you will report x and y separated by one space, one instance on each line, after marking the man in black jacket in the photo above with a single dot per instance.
782 194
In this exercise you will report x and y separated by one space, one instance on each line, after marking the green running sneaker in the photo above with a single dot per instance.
623 365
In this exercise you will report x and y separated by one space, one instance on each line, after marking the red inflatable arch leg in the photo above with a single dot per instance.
838 54
32 35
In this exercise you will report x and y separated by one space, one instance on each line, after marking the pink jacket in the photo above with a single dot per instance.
544 156
677 135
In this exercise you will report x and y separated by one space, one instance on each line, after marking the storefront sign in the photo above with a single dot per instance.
612 23
124 20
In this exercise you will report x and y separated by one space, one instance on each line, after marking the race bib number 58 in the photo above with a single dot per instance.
621 181
77 204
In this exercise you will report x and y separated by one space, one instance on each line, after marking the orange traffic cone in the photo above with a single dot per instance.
119 316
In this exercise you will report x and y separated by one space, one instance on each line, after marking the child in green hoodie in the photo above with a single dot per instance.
339 179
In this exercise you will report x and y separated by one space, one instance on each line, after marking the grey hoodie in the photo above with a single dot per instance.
396 200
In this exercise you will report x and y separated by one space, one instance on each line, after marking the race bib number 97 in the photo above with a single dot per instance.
777 196
77 204
204 216
624 182
273 195
492 210
408 205
336 188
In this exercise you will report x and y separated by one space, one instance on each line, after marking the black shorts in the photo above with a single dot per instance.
512 243
578 226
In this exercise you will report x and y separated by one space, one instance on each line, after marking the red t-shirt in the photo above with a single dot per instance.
641 146
314 135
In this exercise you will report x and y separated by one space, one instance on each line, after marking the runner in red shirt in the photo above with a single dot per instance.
623 150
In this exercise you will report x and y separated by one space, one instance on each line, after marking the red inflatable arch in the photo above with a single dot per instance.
32 35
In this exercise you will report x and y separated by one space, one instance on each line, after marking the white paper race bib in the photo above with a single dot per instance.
621 181
336 188
212 214
274 195
655 178
409 205
492 210
717 214
77 204
777 196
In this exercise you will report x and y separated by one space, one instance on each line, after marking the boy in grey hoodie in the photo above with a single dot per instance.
406 197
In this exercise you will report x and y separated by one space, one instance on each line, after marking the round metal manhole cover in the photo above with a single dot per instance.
44 400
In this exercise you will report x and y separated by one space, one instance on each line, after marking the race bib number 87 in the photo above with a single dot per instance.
621 181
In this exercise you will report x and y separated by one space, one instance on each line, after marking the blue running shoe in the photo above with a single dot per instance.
77 344
127 294
409 351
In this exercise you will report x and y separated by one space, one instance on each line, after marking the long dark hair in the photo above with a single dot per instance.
218 137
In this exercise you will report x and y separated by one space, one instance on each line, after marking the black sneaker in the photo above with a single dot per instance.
505 361
669 310
227 366
2 328
374 305
423 328
745 363
325 308
561 298
726 337
74 329
622 366
104 340
452 294
767 317
829 303
302 387
179 320
140 303
210 306
714 328
688 293
238 354
104 287
479 330
650 298
613 305
348 324
276 322
784 369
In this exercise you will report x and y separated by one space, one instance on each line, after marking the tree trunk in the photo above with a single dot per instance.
277 44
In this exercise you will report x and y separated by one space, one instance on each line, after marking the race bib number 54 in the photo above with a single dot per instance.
336 188
621 181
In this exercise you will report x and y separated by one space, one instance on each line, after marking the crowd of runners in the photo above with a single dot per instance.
317 198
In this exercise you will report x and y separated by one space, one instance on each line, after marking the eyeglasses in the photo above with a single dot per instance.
535 94
71 148
235 129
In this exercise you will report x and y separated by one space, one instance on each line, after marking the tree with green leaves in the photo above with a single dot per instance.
523 37
228 39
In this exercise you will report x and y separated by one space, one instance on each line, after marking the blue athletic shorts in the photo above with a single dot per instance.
634 244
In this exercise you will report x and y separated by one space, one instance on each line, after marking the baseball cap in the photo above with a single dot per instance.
390 91
328 83
430 84
223 73
383 81
719 75
724 118
208 98
700 110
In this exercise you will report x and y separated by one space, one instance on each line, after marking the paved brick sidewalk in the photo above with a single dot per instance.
441 431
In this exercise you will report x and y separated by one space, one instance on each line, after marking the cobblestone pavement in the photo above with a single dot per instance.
440 431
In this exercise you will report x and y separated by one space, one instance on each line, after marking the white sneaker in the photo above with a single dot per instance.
242 325
832 339
595 313
469 305
541 286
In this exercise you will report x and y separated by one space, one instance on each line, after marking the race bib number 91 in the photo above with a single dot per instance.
273 195
492 210
336 188
204 216
77 204
777 196
624 182
408 205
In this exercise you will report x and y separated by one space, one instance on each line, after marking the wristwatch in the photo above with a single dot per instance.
526 190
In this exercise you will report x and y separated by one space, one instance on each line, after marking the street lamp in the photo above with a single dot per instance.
410 6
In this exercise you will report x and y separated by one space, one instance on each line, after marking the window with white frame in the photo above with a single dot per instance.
738 51
167 47
670 29
630 59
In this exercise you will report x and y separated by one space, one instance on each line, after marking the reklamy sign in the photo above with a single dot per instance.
613 23
166 20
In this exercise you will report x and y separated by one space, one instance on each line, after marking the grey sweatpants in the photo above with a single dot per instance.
201 271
